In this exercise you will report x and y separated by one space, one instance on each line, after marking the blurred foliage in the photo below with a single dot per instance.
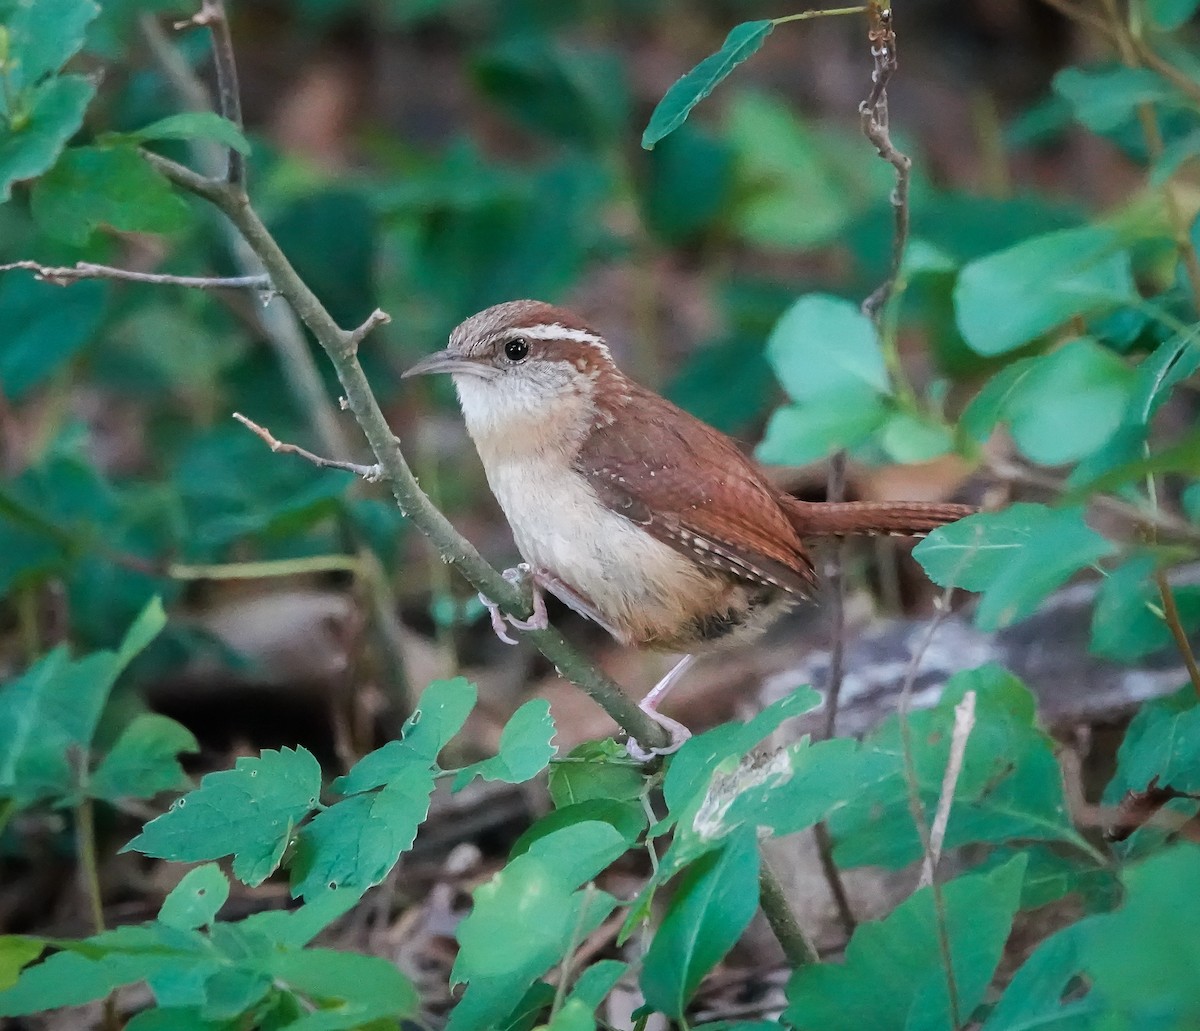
1062 339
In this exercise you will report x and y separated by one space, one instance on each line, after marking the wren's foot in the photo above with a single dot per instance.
538 621
677 732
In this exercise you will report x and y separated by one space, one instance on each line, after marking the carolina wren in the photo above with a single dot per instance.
627 508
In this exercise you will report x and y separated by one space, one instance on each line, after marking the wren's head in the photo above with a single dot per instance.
526 373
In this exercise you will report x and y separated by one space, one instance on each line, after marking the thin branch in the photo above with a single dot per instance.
370 473
229 98
378 317
796 947
964 722
914 797
874 118
1171 615
64 276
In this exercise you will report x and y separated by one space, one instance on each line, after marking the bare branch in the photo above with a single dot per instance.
64 276
874 118
378 317
229 98
964 722
370 473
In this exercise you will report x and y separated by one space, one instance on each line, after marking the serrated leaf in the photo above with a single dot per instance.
54 113
670 113
50 713
194 125
195 900
42 327
532 900
71 979
249 812
440 714
355 843
893 978
1004 300
112 186
144 760
1162 744
16 953
525 748
713 905
1014 558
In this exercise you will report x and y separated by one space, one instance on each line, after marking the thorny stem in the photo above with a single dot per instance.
341 346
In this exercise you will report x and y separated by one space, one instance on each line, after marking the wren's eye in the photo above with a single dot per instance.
516 349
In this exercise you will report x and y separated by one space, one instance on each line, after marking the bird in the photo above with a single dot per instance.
629 510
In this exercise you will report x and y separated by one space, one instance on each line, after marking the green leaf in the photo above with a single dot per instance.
1142 959
1104 100
809 432
16 952
908 438
440 714
42 327
194 125
195 900
577 1012
50 713
627 818
1172 362
1161 745
111 185
355 843
1127 621
1069 402
1005 300
893 977
144 760
670 113
53 114
1035 996
595 770
353 989
533 900
823 346
713 904
525 748
249 812
1014 557
42 36
1009 788
1169 15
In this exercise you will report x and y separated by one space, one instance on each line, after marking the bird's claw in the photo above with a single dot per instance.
502 620
677 732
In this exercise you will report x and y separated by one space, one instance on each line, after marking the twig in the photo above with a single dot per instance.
874 118
370 473
229 98
378 317
796 946
64 276
914 796
964 721
306 565
1171 615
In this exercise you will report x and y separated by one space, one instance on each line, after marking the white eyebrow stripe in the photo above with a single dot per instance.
558 332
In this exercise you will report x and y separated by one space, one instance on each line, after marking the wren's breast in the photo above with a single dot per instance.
642 589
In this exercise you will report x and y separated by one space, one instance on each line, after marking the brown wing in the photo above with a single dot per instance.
691 488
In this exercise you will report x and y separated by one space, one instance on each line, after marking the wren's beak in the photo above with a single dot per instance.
449 362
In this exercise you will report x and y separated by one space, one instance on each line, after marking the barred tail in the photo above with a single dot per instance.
871 518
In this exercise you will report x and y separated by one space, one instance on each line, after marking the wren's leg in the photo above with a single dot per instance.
538 621
649 705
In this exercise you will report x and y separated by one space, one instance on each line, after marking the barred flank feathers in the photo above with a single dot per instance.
871 518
